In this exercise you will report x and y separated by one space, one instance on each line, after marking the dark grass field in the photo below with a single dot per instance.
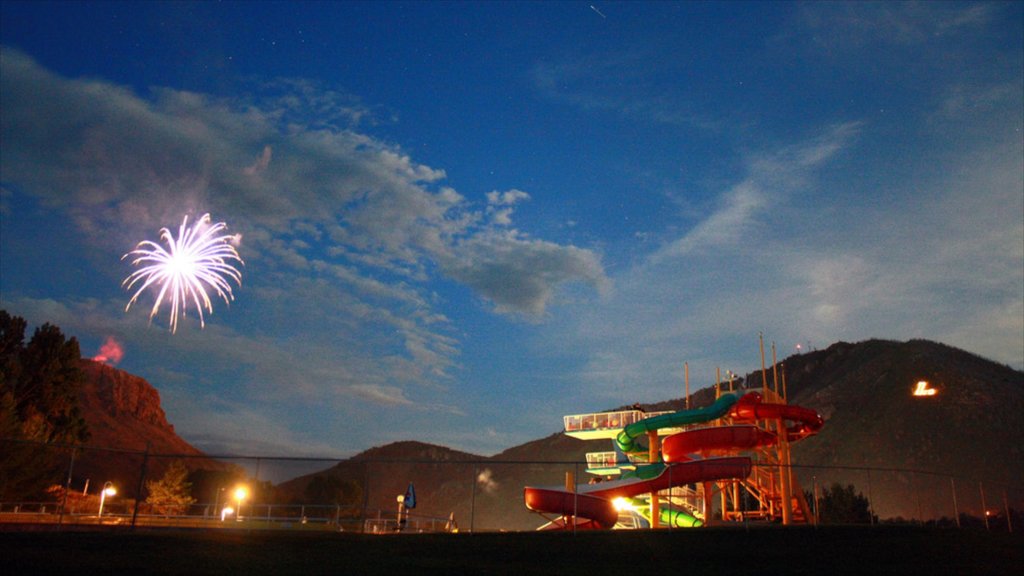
762 550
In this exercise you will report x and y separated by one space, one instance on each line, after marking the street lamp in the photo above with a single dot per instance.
108 490
241 493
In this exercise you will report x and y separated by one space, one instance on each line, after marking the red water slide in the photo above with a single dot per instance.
805 421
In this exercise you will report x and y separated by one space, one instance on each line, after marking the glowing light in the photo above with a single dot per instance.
198 259
923 389
622 504
241 493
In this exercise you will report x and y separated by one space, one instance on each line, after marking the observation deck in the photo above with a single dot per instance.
607 425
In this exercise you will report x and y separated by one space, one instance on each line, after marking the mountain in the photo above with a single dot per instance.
971 429
125 418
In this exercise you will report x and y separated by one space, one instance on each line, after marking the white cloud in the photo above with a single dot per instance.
357 220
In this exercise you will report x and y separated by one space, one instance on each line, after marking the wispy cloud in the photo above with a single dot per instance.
358 219
854 25
620 83
934 257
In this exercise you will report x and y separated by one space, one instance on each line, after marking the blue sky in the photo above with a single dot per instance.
461 221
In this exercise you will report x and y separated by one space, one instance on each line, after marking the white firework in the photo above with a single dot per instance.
200 259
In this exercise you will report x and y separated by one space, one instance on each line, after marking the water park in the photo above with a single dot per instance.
726 462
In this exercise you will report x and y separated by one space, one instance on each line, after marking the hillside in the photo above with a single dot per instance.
972 429
123 413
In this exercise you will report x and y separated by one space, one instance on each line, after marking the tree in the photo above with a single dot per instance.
330 489
172 494
843 505
39 388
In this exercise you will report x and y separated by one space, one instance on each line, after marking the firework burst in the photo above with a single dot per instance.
200 259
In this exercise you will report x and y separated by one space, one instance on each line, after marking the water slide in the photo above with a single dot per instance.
749 408
626 440
592 504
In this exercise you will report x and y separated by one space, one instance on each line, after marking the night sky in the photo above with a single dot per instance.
461 221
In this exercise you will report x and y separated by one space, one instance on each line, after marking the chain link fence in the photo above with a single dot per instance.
371 495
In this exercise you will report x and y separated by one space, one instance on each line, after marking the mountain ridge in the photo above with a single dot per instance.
973 428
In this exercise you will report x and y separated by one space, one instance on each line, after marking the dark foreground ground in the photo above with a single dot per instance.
765 550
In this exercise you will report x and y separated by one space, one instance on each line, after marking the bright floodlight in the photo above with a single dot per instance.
622 504
198 259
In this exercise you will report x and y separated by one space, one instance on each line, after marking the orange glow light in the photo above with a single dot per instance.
923 389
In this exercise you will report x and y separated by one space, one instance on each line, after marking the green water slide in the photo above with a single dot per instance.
626 440
669 516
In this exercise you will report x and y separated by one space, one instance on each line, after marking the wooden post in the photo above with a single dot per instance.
708 491
654 456
784 478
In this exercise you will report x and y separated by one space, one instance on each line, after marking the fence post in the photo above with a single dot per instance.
366 494
984 507
67 488
871 501
956 509
1006 507
817 502
917 496
472 502
142 479
575 495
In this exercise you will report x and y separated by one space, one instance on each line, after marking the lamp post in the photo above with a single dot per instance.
241 493
216 502
108 490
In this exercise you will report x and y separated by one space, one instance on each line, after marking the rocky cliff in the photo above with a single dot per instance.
125 418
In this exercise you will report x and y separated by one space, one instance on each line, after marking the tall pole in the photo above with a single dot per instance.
764 374
686 377
775 370
785 394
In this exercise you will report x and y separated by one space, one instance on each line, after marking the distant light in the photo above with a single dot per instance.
923 389
241 493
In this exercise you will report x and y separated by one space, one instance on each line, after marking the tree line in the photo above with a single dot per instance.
39 385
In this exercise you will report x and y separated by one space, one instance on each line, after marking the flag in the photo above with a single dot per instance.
410 497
